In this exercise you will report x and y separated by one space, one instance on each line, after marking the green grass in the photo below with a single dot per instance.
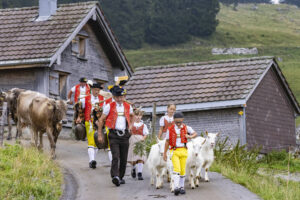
242 166
279 161
265 186
28 174
273 29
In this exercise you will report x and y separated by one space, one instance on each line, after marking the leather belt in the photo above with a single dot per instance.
118 132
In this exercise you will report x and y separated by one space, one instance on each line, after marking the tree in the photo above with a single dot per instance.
254 1
201 17
167 23
128 20
293 2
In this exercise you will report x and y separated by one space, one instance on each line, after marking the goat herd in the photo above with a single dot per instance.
200 155
36 111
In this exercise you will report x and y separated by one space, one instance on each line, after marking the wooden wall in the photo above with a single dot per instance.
31 79
270 120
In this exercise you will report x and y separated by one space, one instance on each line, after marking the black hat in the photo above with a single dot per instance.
178 115
122 83
117 91
96 85
84 80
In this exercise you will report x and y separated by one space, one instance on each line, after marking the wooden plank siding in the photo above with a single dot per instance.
270 120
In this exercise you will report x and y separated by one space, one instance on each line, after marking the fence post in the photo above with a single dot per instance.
3 109
153 120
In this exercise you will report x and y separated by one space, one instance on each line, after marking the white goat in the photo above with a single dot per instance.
156 163
207 153
201 155
194 162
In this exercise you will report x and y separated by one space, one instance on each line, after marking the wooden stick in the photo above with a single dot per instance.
2 122
153 120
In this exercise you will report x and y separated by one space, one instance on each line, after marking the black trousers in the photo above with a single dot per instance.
119 149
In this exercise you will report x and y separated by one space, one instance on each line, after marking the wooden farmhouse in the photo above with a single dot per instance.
48 48
246 99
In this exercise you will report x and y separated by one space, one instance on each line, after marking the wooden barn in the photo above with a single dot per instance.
245 99
48 48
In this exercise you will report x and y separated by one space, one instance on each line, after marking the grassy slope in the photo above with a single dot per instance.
273 29
28 174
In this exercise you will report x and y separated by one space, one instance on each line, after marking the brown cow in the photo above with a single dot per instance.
46 115
11 97
23 102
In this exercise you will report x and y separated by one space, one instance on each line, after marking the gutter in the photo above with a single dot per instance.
199 106
25 62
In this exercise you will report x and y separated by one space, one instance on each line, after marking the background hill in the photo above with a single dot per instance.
273 29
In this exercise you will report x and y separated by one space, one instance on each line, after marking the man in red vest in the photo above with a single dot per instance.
117 116
176 139
89 104
80 91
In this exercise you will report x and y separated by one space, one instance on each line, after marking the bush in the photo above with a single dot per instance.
237 157
143 148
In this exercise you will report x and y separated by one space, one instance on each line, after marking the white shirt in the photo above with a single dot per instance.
82 91
121 120
94 100
145 129
112 100
162 120
178 139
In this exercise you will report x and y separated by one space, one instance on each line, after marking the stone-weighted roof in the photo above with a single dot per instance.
196 83
21 37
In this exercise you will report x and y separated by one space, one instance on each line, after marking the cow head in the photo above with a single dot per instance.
60 109
3 96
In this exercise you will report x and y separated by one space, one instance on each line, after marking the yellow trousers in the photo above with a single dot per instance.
90 134
179 160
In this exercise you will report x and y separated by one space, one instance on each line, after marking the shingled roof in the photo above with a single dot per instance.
202 85
22 38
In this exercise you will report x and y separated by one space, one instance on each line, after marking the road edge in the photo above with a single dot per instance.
70 186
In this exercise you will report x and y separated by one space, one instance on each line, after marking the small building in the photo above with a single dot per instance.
245 99
48 48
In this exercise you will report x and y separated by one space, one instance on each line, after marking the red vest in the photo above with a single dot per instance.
167 125
77 91
137 131
108 101
173 135
88 106
111 119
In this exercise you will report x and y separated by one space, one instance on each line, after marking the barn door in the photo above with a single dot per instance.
63 86
54 84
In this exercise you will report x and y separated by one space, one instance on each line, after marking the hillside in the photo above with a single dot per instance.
273 29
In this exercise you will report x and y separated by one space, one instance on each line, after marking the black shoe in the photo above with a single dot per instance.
176 191
182 191
133 173
93 164
122 181
140 176
116 181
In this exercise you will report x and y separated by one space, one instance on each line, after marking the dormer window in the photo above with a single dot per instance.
79 46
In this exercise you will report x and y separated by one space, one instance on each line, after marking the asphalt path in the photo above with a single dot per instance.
82 183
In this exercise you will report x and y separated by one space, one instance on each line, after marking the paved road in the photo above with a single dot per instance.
96 184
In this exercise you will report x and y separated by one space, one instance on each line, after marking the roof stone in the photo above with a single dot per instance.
21 37
196 82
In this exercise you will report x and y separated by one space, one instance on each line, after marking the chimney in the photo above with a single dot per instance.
46 9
